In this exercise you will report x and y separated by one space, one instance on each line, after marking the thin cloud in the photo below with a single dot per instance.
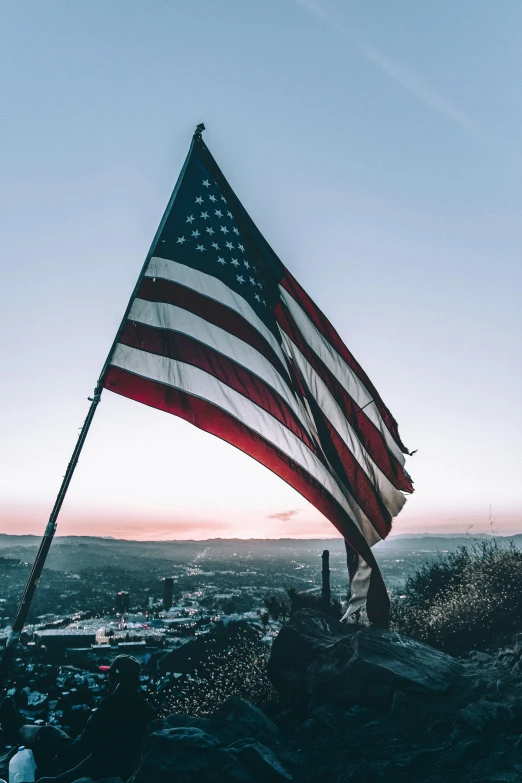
284 516
312 7
408 80
421 90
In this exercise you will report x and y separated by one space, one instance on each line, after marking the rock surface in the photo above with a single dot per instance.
431 719
259 760
249 718
105 780
319 658
226 747
188 754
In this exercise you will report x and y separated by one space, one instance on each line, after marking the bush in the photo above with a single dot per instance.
279 609
307 600
238 669
468 599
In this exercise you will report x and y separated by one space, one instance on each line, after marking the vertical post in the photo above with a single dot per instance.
168 592
325 590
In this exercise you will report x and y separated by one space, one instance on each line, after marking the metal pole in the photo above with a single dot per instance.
325 590
50 530
36 571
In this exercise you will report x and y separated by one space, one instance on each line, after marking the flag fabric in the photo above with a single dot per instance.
221 334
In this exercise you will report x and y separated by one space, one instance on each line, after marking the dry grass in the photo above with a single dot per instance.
239 670
469 599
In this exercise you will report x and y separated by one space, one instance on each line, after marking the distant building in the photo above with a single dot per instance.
122 602
56 640
168 592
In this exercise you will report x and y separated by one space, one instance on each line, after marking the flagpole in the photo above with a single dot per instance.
50 530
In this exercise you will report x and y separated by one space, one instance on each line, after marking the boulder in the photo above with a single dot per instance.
485 714
260 760
226 731
317 657
105 780
248 718
188 755
212 750
333 716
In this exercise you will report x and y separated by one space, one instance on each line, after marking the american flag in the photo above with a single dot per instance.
221 334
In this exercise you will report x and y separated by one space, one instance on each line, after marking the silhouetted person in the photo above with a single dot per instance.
109 744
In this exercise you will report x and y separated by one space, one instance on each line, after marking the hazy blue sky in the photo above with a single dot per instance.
377 146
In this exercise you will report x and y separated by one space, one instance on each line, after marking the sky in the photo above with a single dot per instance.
377 147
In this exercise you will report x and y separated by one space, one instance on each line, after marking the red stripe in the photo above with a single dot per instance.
369 435
169 292
184 348
322 323
214 420
352 474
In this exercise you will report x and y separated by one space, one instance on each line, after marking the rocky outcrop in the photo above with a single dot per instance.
317 658
187 754
360 705
259 760
226 747
105 780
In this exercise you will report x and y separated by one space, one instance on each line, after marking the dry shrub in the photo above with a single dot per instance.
237 670
465 600
280 609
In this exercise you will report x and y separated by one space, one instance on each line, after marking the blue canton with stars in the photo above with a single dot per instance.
209 230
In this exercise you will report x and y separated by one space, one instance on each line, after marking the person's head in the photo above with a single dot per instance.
125 671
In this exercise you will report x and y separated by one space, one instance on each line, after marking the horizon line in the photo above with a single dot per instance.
452 534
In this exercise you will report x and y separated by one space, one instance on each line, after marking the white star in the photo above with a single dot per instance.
190 219
199 200
246 264
200 248
206 183
230 245
215 245
240 279
236 231
221 260
241 248
252 280
235 262
218 212
259 285
209 230
230 215
204 215
224 229
212 198
180 240
256 296
223 199
195 233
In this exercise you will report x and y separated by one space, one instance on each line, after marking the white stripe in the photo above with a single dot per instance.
393 499
359 586
168 316
344 374
215 289
201 384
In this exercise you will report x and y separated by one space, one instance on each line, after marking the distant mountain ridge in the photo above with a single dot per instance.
400 536
80 552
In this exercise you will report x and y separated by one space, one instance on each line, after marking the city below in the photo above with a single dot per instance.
177 607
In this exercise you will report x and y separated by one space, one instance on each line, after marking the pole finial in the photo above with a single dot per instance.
199 130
